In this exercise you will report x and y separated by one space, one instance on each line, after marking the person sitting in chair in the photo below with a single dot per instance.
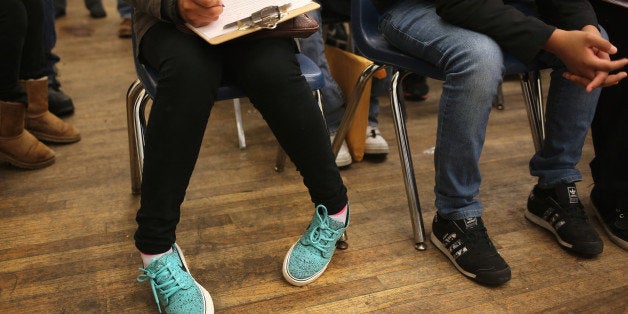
466 39
190 72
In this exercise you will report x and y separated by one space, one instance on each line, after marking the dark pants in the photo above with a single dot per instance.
22 53
50 39
609 129
191 71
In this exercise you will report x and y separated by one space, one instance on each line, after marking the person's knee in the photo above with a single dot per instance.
480 58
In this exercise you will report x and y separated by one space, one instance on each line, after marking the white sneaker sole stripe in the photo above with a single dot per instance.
445 251
296 281
544 224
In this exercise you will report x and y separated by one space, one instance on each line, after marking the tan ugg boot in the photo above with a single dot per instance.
39 121
17 146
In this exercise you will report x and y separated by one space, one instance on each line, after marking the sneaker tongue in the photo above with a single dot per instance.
567 194
470 223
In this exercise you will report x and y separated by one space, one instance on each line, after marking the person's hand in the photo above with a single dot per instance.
586 55
200 12
603 79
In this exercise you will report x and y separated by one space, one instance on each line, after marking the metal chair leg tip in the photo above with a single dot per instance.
420 246
342 245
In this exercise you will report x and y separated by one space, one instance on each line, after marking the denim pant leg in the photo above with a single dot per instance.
569 113
50 38
314 48
472 64
124 9
379 87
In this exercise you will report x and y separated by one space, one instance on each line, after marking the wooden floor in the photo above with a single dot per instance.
67 230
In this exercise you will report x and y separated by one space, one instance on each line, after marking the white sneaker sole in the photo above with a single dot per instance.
207 299
295 281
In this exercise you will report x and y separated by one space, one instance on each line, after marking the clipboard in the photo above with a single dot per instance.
261 14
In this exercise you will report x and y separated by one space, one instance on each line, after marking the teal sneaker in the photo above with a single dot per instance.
174 287
308 258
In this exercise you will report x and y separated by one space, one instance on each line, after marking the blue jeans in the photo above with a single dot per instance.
472 64
333 99
124 9
50 38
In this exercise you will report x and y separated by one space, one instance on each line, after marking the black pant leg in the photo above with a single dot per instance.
610 125
270 75
190 73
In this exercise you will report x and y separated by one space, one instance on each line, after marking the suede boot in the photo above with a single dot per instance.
39 121
17 146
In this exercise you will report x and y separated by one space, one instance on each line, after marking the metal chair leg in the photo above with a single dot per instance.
134 94
406 164
280 160
498 101
352 106
239 126
533 97
345 123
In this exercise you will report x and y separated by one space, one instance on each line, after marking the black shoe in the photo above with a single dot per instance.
465 242
611 212
415 87
96 9
59 103
558 209
60 8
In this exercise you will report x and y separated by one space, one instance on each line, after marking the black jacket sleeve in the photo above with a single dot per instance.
521 35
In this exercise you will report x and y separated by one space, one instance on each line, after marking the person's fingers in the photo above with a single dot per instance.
208 3
590 85
608 65
613 79
577 79
601 44
196 12
597 81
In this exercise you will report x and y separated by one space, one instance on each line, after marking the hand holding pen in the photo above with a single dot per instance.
200 12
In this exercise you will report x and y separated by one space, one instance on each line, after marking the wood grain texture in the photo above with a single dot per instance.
67 230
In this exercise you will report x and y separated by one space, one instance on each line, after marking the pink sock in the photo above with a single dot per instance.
340 216
147 258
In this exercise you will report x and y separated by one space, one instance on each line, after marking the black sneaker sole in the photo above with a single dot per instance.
619 241
591 248
493 278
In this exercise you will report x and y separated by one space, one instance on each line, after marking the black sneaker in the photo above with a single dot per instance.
558 209
415 87
612 214
59 103
465 242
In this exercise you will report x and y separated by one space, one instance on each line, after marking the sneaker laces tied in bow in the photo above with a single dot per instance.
323 236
